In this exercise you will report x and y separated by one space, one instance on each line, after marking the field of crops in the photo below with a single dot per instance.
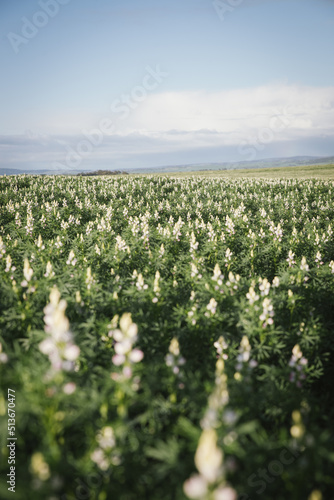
166 338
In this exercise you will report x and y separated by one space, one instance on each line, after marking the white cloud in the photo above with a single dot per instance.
246 121
234 115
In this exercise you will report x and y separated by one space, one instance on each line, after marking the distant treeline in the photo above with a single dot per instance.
105 172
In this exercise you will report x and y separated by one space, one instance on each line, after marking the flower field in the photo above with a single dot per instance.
167 338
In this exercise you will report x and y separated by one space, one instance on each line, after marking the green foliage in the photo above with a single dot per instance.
192 259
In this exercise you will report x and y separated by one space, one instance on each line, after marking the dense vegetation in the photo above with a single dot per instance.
103 172
167 338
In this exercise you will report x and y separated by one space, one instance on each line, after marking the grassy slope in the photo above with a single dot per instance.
318 171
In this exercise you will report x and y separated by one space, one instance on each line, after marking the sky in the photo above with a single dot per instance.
88 84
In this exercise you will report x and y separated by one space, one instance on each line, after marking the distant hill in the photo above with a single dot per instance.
16 171
104 172
293 161
10 171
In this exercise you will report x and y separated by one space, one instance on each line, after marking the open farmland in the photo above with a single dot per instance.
324 172
167 337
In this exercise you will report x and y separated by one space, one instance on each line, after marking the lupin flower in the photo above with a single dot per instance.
244 350
264 286
27 273
211 307
210 481
267 313
121 245
298 364
140 284
262 234
89 278
39 243
156 287
49 273
252 296
18 219
106 441
2 248
244 357
228 255
59 344
318 259
173 359
3 356
303 265
290 258
124 338
30 221
297 430
209 457
331 265
276 282
193 243
71 259
229 225
39 467
162 251
58 243
217 275
9 266
220 346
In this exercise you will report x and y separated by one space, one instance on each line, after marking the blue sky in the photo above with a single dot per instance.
127 84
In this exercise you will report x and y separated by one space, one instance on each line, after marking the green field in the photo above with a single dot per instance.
299 172
167 337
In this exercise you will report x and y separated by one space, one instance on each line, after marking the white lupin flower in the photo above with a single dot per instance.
290 258
276 282
212 305
58 345
49 272
174 359
209 457
156 287
2 248
71 259
69 388
217 275
174 347
3 356
89 278
106 438
140 284
58 243
318 258
125 337
100 459
228 255
298 364
27 271
252 296
196 487
8 263
193 243
39 243
244 350
304 266
264 286
220 345
268 313
225 493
